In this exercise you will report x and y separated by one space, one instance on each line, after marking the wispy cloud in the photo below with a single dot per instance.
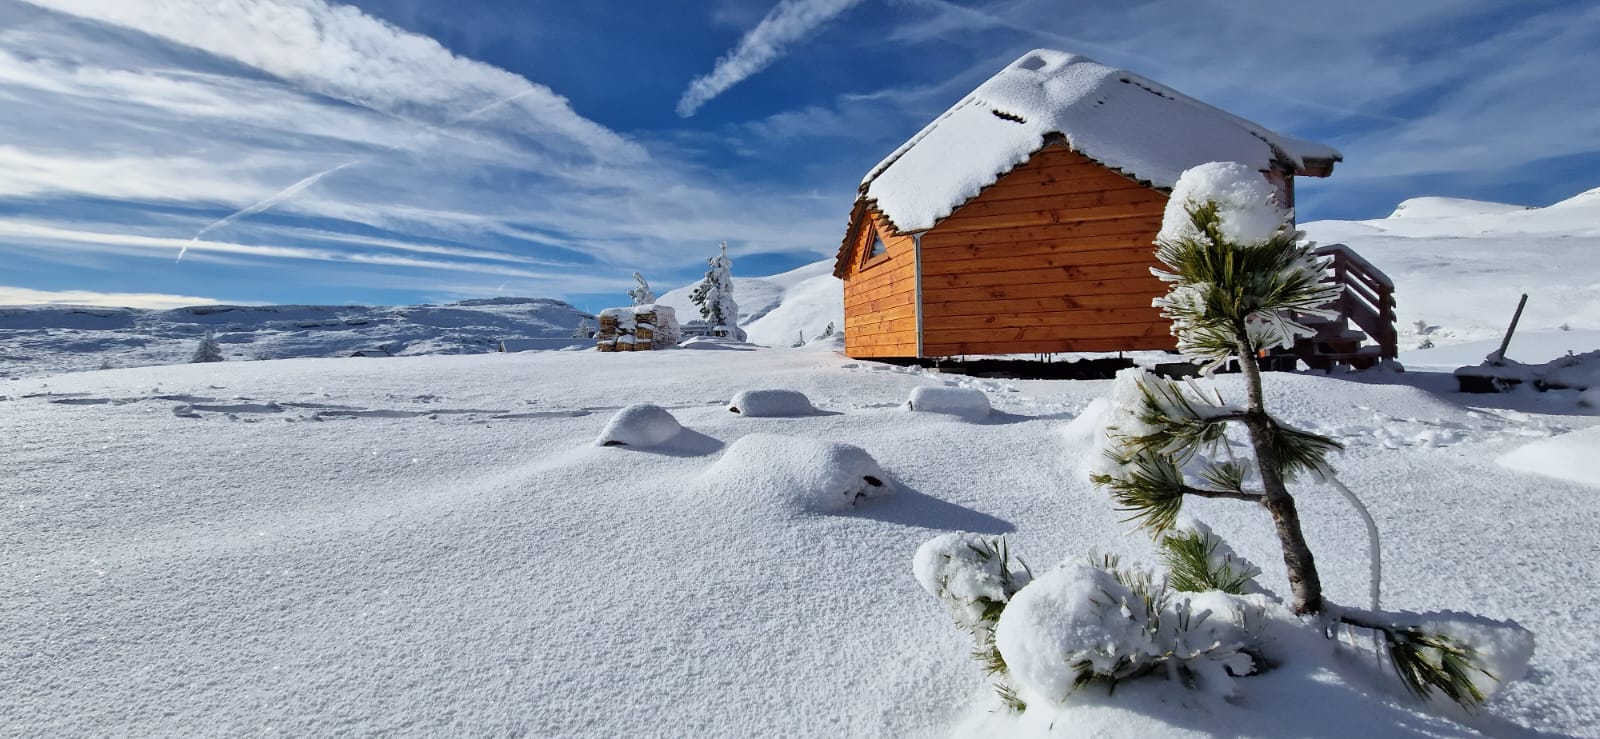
131 127
10 295
787 23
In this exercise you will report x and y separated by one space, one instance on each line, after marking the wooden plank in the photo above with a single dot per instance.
1007 191
1047 347
877 293
1137 281
941 303
881 324
1144 217
873 306
882 352
932 334
891 341
1067 197
855 318
1143 243
934 325
1142 225
1089 264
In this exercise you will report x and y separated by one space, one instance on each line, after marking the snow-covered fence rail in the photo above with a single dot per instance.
1367 298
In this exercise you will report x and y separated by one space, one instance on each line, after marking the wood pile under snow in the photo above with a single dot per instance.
637 328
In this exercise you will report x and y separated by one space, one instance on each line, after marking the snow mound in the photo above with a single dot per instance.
803 474
772 403
1502 648
641 425
957 401
1570 457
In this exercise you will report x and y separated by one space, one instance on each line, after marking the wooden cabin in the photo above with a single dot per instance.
1022 220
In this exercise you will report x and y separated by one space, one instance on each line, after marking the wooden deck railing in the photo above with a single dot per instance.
1368 296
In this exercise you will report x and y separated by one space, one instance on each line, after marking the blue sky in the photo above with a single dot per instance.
398 151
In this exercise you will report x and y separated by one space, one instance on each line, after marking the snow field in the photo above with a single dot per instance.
436 546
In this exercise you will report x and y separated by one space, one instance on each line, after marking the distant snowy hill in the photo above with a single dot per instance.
1459 266
47 339
775 310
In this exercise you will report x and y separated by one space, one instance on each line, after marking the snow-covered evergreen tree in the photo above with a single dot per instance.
583 331
208 350
642 295
1239 275
714 296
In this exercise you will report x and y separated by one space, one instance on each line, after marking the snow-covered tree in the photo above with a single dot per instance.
642 295
583 331
714 295
1239 276
208 350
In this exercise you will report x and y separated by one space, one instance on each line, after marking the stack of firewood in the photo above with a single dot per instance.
636 329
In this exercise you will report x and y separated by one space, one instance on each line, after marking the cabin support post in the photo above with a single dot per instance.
916 242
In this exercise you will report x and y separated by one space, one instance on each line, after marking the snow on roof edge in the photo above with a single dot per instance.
1149 137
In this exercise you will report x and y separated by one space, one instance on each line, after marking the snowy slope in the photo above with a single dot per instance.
1460 265
433 546
775 310
37 340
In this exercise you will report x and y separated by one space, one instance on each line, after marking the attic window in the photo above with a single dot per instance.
1013 117
877 249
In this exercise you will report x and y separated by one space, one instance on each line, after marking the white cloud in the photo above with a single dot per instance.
11 295
339 51
788 22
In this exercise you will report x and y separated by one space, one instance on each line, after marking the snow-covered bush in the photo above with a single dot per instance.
1239 275
771 403
714 296
800 474
641 425
208 350
957 401
1098 622
973 576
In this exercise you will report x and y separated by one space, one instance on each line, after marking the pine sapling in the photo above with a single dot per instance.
1240 277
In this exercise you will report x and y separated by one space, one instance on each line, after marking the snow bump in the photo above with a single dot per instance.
802 474
772 404
956 401
641 425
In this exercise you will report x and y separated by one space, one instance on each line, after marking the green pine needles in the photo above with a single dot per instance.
1195 564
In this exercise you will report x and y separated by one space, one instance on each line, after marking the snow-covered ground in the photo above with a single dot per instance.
438 545
435 544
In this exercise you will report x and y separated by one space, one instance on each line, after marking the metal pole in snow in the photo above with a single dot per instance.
1500 356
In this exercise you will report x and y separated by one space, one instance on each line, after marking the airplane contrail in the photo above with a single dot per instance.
300 186
264 204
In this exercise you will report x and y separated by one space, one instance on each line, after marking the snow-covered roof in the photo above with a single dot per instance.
1126 122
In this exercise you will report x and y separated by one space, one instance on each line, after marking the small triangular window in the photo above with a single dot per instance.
877 249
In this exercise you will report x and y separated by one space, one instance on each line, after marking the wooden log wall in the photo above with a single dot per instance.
880 311
1055 257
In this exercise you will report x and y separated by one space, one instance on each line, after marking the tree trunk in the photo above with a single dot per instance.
1304 583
